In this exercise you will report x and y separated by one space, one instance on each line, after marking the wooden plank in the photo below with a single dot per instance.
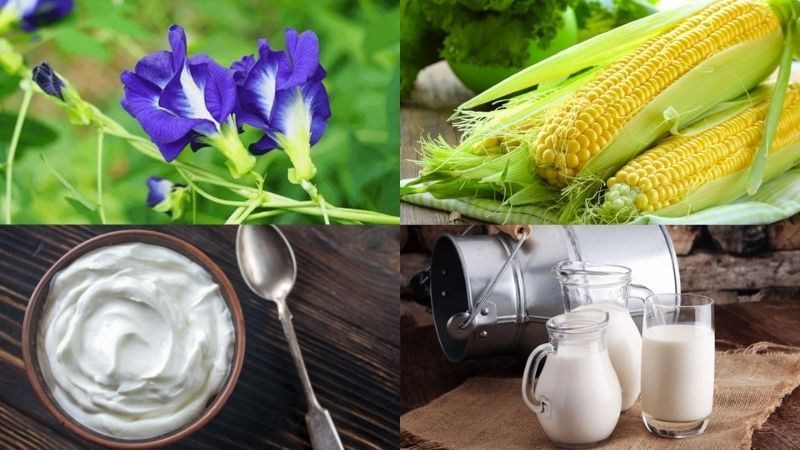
345 310
22 432
705 271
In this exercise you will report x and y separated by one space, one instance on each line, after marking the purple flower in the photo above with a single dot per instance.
34 13
49 81
182 100
167 197
282 94
158 190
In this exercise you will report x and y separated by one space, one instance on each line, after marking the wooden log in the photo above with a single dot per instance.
413 314
767 294
704 271
429 234
411 265
720 297
739 240
784 236
684 237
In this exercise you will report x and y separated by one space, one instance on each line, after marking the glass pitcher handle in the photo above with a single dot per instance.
642 288
536 358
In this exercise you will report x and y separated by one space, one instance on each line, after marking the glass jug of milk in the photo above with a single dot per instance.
604 287
577 395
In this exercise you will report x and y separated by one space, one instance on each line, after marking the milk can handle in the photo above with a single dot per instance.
476 311
537 354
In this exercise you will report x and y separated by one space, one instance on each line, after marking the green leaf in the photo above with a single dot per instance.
9 84
756 174
393 109
119 25
91 215
75 41
75 195
34 132
383 32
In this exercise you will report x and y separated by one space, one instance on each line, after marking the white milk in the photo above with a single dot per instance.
582 393
678 372
624 348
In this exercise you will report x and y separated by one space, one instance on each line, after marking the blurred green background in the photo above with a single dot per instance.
357 159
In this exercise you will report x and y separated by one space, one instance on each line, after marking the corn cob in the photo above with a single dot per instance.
678 175
592 121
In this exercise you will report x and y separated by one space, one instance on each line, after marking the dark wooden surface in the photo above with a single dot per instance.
427 374
345 309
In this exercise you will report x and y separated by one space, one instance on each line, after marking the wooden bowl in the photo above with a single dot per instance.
30 331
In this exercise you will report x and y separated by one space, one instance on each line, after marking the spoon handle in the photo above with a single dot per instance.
320 425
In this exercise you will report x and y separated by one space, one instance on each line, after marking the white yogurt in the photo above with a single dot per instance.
678 372
582 393
624 348
134 340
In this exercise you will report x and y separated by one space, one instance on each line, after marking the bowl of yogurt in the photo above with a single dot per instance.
133 339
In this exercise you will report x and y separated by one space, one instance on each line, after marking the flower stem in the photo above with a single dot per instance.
202 192
194 207
265 214
315 196
243 212
12 149
299 153
100 209
239 161
356 215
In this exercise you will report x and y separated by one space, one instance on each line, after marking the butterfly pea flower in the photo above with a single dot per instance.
80 112
166 196
31 14
181 101
281 93
49 81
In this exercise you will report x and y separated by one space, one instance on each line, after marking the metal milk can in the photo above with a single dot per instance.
526 294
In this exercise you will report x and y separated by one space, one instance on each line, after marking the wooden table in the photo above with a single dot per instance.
427 374
345 311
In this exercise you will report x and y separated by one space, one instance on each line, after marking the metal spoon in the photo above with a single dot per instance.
267 263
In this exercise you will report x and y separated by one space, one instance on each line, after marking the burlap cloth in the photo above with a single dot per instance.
488 413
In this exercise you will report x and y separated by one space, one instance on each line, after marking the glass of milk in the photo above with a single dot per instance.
605 287
577 395
677 364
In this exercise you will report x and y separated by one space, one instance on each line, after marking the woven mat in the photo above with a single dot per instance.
488 413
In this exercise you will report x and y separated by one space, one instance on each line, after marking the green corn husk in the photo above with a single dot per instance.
618 202
720 78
